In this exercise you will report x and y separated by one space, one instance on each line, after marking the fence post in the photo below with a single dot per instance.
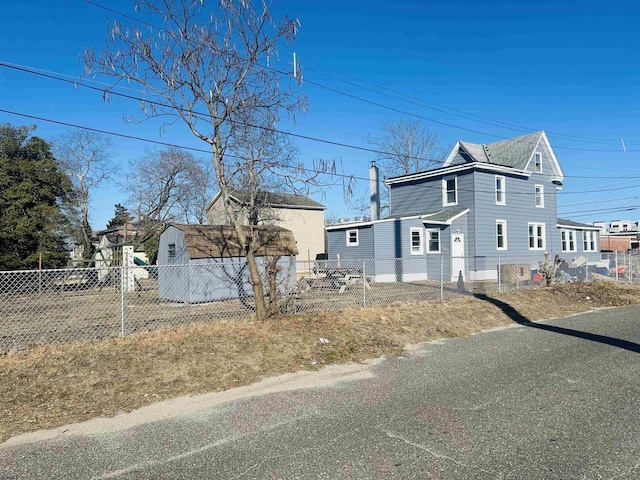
441 278
499 278
40 273
629 270
617 279
364 283
586 271
122 287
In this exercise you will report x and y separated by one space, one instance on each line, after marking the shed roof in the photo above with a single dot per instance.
215 241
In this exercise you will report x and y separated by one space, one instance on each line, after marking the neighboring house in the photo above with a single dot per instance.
109 255
108 245
300 214
488 205
204 263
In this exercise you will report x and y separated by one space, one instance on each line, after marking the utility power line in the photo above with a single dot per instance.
311 170
78 82
450 125
449 110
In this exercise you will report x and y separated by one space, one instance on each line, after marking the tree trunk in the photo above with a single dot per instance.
258 292
254 273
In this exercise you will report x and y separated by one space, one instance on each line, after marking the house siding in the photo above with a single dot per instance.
422 196
519 210
337 243
394 261
307 227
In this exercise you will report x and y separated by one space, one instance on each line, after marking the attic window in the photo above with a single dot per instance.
538 162
171 250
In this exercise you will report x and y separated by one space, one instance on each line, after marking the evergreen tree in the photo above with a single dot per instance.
120 217
32 192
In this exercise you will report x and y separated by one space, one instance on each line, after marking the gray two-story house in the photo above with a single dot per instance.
488 205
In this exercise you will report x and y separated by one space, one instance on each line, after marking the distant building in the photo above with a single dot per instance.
619 235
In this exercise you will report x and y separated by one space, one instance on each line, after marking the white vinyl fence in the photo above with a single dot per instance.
61 306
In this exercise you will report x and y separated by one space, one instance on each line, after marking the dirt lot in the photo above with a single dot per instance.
55 385
91 313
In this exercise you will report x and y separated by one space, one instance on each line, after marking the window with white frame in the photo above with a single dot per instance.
568 240
589 241
540 196
171 250
501 234
433 241
501 198
353 238
416 241
538 162
449 191
536 236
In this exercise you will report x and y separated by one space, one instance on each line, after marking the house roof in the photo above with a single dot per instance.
563 222
274 200
513 152
215 241
443 216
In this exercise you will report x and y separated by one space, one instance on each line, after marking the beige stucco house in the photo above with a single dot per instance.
300 214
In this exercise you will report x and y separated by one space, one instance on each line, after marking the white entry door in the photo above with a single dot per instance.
457 256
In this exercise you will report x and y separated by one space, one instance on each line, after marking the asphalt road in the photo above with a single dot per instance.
554 400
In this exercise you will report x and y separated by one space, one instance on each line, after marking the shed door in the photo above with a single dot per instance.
457 256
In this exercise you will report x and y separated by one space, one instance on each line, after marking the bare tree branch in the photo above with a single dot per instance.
214 57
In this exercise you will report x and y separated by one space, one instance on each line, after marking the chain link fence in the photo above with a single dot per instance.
62 306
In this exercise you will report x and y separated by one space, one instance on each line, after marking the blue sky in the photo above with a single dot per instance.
570 68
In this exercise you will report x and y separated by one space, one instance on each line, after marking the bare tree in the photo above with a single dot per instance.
168 185
259 157
214 66
84 157
405 146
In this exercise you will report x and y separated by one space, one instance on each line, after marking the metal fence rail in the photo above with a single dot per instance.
62 306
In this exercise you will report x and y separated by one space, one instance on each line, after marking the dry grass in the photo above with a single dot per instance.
55 385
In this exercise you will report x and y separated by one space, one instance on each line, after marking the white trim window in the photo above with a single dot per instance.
568 242
433 241
539 196
501 193
589 241
536 236
353 238
449 191
501 234
416 241
537 158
